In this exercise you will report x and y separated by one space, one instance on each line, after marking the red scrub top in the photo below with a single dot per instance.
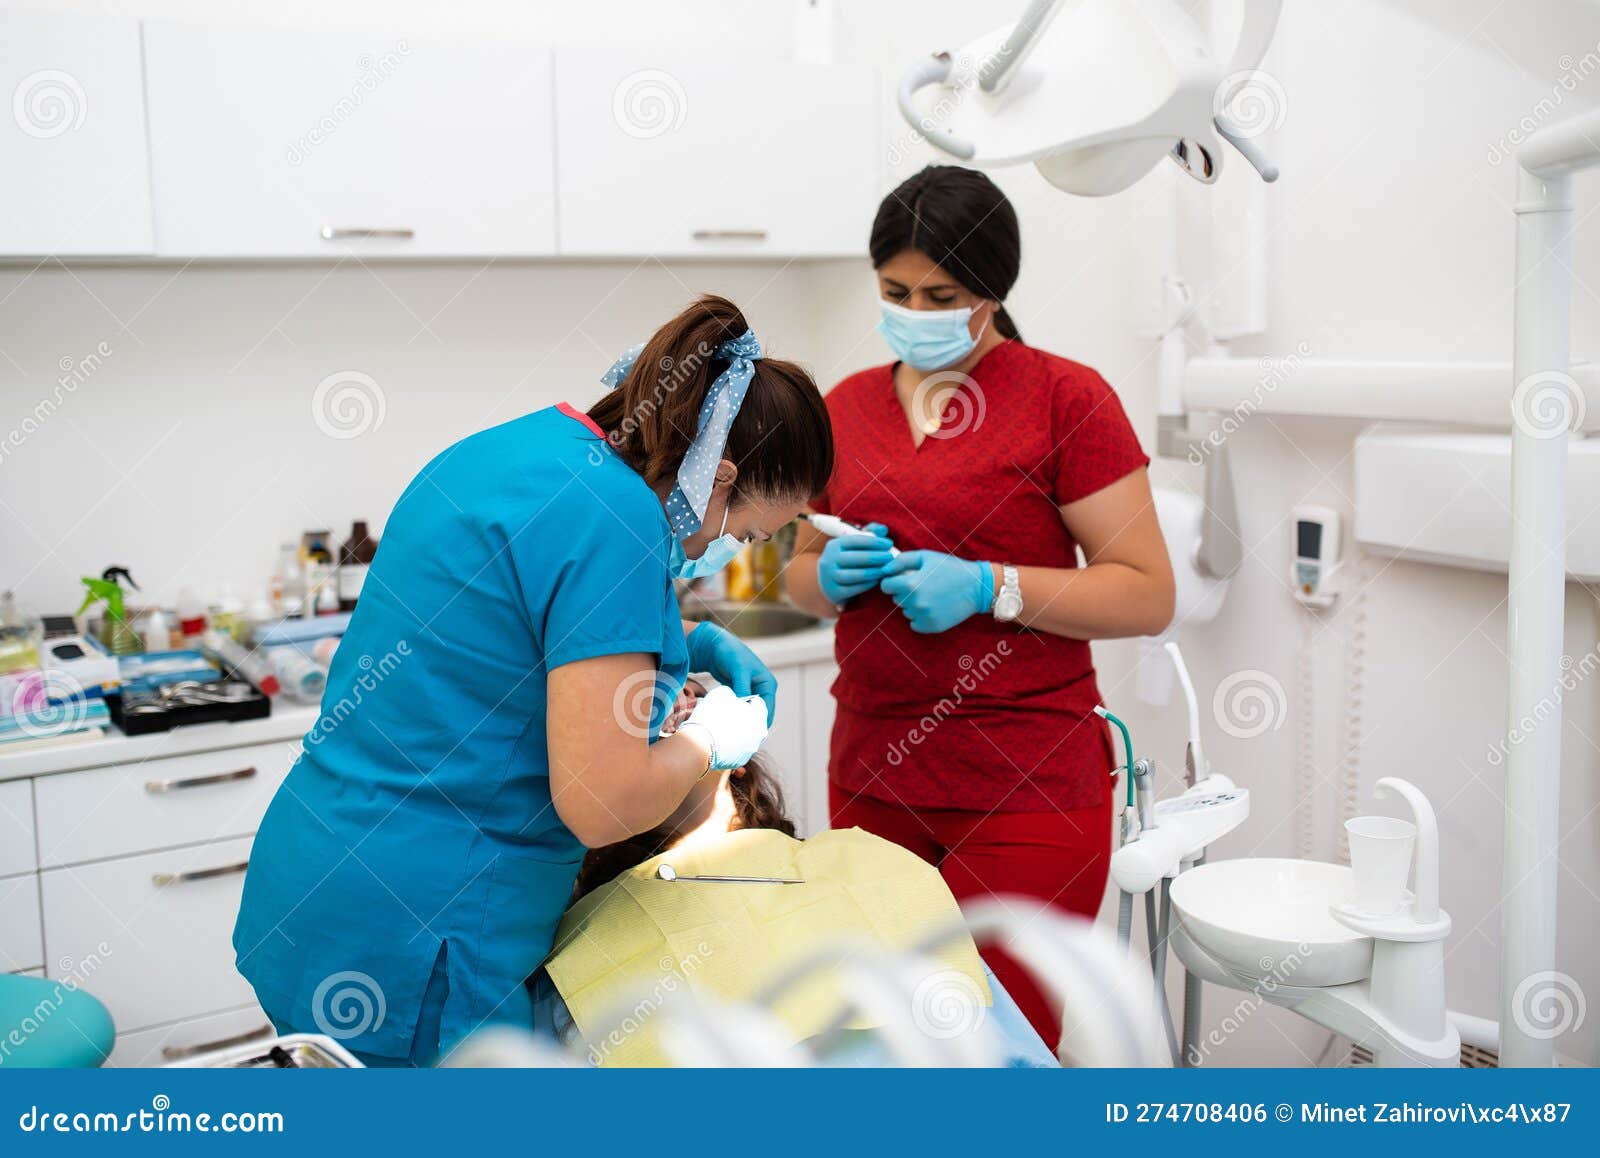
987 716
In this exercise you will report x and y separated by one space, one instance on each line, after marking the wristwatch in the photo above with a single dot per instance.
1008 601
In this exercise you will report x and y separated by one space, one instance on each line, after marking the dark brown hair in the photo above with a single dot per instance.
959 220
781 439
757 803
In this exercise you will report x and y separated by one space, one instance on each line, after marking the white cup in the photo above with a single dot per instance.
1380 858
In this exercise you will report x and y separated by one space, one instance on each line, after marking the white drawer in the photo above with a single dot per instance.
21 946
161 953
122 809
16 828
169 1043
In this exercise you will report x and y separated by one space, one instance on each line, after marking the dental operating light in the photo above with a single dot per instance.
1092 93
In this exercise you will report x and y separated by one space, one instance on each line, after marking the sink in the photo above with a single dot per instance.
1268 918
751 620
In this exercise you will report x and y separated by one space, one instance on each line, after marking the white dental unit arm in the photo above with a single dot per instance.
1092 93
1176 831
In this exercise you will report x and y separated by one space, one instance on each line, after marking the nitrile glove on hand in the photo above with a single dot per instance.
639 934
938 591
852 565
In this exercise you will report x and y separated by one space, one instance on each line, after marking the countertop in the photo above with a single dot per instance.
289 722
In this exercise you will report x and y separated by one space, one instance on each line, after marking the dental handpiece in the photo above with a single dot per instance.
836 528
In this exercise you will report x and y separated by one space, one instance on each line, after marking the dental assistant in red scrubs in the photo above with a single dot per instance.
965 728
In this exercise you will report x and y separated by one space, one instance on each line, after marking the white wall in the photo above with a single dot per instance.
1391 237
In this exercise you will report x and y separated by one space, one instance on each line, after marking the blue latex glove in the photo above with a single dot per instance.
853 564
718 651
938 591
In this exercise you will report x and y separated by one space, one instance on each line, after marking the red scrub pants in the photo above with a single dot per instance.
1060 858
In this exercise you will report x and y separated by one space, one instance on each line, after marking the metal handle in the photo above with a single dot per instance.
730 235
175 1052
357 233
161 880
159 786
931 70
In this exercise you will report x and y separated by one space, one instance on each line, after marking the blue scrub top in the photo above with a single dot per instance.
417 826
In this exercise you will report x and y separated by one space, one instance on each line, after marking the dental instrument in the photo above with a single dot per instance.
835 527
666 872
1315 570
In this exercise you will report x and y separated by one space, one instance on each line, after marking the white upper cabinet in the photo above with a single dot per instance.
73 173
323 142
714 158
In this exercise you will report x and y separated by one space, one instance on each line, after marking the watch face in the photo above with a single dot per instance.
1007 606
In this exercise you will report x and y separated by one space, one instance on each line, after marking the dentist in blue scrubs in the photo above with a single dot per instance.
494 707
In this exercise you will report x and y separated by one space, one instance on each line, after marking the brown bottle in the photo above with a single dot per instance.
354 559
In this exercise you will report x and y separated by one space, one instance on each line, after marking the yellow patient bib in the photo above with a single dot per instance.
639 938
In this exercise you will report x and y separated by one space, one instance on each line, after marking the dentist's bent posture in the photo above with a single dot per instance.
411 871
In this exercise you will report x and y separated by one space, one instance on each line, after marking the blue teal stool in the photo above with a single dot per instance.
47 1025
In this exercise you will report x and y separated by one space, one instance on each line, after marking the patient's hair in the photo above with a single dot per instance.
757 803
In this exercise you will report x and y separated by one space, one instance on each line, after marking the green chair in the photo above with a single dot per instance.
50 1025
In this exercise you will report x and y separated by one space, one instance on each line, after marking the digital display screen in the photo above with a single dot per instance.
1308 539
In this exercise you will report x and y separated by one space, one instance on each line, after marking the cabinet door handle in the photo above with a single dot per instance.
730 235
159 786
176 1052
365 233
161 880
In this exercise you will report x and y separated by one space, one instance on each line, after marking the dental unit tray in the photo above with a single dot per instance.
181 702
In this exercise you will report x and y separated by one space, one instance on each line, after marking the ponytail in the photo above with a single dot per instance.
781 440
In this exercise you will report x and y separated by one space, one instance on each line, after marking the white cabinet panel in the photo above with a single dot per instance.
262 139
166 1044
72 139
162 952
817 679
783 748
16 828
20 944
122 809
716 157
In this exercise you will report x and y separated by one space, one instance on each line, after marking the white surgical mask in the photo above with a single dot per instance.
717 555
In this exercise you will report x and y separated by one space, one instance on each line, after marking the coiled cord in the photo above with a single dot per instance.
1355 675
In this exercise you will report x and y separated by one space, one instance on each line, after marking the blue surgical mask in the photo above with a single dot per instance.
717 555
927 339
